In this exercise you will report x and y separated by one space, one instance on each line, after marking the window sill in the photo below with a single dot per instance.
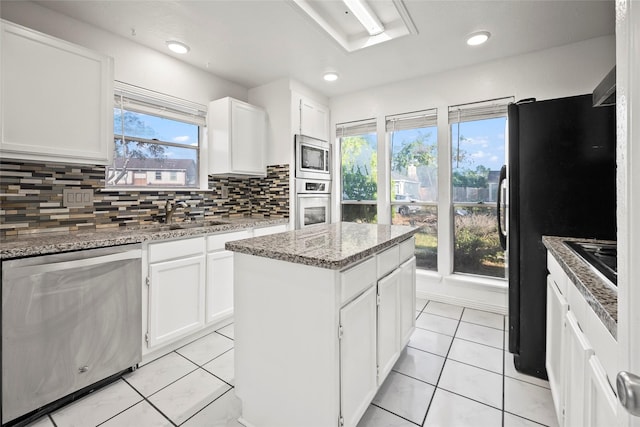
488 283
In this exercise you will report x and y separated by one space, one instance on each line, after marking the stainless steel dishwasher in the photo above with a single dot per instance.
69 321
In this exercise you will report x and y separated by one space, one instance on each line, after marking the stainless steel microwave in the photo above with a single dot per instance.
313 158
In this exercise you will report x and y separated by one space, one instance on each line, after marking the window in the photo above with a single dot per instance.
413 140
359 170
478 152
157 140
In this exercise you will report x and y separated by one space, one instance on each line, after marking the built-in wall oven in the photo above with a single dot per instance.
313 202
313 158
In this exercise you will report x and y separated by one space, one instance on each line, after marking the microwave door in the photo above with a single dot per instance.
313 158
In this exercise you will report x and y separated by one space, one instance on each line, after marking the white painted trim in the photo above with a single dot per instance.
469 291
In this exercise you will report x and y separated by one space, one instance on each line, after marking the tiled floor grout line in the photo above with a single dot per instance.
144 399
206 406
424 419
525 418
393 413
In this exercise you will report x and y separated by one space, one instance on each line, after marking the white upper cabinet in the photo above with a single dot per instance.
237 138
313 119
56 99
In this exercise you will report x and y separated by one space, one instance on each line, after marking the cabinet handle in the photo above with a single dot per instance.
628 386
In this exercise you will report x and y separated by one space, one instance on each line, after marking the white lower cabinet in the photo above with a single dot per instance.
601 402
176 289
388 323
557 307
580 388
358 374
219 285
577 353
189 286
220 275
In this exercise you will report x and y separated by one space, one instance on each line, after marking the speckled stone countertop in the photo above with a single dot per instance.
332 246
602 299
51 243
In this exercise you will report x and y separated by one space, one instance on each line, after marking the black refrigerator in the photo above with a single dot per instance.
562 182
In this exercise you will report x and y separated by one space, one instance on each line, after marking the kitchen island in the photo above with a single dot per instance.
321 316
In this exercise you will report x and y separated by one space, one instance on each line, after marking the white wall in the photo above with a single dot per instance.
134 63
569 70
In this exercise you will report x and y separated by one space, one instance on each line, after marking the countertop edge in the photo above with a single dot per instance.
602 299
46 244
315 261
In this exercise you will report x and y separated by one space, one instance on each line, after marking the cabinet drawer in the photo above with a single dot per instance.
356 279
388 261
557 273
176 249
216 242
407 249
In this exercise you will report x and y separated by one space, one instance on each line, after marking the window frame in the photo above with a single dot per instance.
357 128
461 113
139 100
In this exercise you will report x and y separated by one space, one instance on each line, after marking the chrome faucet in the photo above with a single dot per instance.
170 210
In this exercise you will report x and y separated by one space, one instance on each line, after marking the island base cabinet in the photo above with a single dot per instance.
320 338
286 348
407 300
358 376
388 323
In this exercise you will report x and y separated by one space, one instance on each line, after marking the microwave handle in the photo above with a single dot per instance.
327 160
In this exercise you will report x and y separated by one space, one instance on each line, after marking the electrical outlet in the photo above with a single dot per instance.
77 197
224 192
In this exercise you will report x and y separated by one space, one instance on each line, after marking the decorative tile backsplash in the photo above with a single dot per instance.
31 199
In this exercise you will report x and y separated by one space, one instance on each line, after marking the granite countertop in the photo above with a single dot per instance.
51 243
602 299
332 246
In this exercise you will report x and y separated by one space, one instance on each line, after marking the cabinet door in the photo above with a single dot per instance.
357 356
577 352
314 119
57 99
388 323
601 402
248 134
176 298
219 285
407 300
556 312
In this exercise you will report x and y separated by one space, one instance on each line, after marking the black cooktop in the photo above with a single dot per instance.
601 256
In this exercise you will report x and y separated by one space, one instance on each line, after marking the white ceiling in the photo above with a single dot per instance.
253 42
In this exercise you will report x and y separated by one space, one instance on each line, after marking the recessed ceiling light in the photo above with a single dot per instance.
178 47
478 38
331 76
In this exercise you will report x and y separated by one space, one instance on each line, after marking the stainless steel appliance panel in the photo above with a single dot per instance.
313 158
68 321
313 209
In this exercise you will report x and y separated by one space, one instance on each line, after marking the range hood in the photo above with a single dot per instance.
605 93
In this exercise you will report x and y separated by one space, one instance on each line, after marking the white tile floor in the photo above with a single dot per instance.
455 372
